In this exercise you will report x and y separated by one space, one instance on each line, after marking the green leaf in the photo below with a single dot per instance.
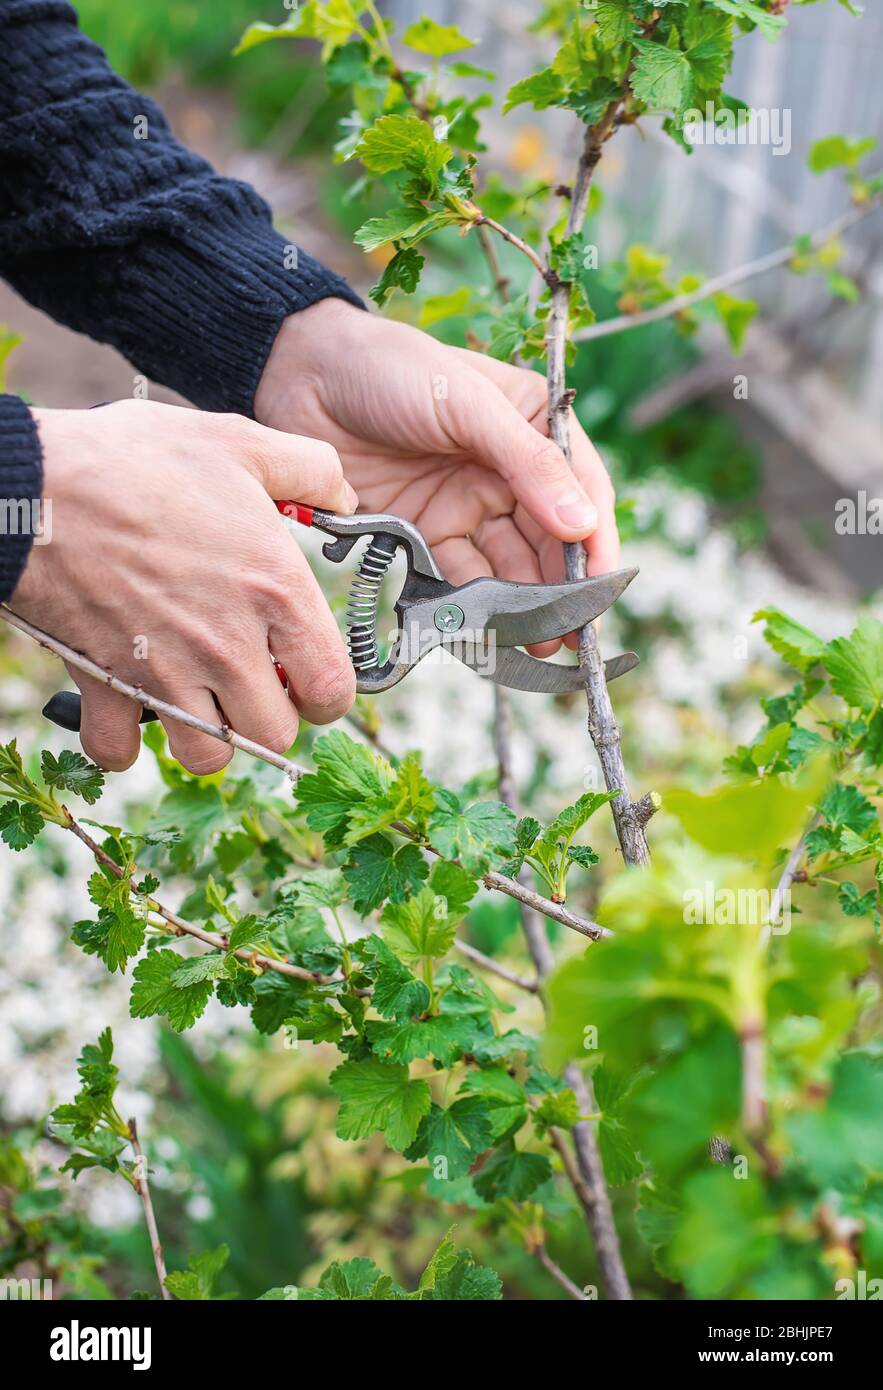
71 772
838 152
403 142
446 1037
198 1281
259 32
512 1173
751 13
795 643
401 224
124 936
459 1135
374 1096
724 1234
503 1097
615 21
438 40
855 665
402 273
319 888
468 1281
736 315
560 1110
750 820
662 77
846 1136
541 90
347 773
376 870
478 836
397 993
856 904
154 991
420 928
20 824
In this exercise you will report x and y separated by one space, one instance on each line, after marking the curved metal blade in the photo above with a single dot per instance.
517 615
510 667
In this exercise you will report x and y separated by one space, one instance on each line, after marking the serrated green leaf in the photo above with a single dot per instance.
795 643
512 1173
374 1096
541 90
20 824
855 665
478 836
71 772
198 1281
377 870
154 991
438 40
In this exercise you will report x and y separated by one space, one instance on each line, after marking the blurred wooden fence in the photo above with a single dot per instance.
725 205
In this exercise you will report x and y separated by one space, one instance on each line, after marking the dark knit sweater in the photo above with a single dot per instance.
137 242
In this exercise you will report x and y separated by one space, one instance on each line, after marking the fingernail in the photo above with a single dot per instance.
351 497
576 511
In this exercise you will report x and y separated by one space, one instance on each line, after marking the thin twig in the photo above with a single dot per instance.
223 732
185 928
559 1276
486 963
149 1217
603 728
494 881
736 276
482 220
584 1169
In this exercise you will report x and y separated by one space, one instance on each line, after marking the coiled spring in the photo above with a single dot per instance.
364 596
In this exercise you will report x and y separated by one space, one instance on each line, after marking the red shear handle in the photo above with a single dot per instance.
296 510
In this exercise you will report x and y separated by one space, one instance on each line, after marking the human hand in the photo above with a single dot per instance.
451 440
170 566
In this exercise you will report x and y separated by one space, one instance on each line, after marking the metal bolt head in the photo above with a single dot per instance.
448 617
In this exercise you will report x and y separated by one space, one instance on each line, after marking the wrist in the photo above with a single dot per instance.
302 351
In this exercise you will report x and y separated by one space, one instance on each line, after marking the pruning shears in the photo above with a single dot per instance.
483 623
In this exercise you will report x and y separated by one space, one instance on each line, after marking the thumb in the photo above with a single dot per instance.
293 467
535 468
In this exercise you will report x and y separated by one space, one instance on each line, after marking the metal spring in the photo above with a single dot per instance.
361 611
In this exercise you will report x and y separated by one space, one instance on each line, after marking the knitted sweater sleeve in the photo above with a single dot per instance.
112 227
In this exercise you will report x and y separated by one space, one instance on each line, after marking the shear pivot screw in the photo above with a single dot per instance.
448 617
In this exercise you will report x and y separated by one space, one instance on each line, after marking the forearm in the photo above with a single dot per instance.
21 484
114 228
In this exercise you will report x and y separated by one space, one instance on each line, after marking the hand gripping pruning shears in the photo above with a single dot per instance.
483 623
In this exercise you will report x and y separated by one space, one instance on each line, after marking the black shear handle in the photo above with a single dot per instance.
65 709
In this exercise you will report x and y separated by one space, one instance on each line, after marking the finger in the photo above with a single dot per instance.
290 465
257 706
511 557
485 422
199 753
305 639
460 561
108 724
